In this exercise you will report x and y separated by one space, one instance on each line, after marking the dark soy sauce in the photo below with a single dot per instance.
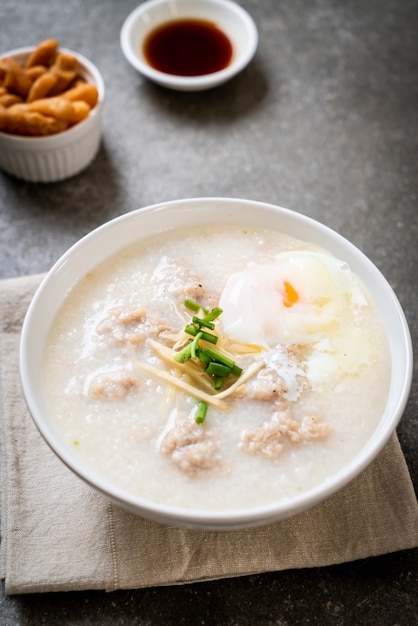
188 47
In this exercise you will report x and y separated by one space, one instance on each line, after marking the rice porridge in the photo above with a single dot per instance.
217 367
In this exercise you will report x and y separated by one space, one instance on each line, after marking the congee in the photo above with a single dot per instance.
217 367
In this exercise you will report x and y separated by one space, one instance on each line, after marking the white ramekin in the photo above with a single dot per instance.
59 156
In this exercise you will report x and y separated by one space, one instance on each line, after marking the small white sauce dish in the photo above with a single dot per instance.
228 17
136 227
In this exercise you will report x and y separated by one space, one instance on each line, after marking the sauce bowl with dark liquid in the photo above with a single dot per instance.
188 45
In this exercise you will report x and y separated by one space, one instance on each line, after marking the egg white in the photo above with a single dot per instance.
318 309
256 307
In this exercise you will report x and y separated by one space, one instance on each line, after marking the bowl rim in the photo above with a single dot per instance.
218 520
69 133
189 83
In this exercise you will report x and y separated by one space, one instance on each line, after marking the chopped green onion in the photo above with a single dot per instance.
217 369
194 344
191 330
184 354
212 315
220 358
202 408
201 354
236 370
216 364
203 322
209 338
194 306
217 385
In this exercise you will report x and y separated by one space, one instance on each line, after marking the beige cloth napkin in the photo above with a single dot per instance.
59 535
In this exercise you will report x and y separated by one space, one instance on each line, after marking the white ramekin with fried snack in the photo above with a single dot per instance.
50 112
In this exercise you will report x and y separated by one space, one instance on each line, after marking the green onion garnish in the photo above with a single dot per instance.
194 306
203 322
202 407
184 354
216 365
220 358
217 385
217 369
192 330
201 354
193 345
212 315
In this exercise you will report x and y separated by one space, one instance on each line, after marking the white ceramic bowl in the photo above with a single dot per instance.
56 157
139 225
228 16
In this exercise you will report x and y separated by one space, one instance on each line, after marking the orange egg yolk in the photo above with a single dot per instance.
290 296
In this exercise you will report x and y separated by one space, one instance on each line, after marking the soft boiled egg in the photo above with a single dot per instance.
298 298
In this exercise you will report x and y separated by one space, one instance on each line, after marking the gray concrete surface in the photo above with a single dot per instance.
324 121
